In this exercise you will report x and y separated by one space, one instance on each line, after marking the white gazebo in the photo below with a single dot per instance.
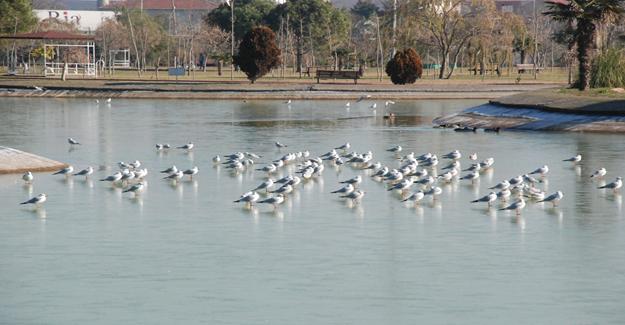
58 41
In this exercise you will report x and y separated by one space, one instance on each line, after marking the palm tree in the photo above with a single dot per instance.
584 15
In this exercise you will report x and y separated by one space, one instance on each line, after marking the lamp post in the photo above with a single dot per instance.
231 39
535 41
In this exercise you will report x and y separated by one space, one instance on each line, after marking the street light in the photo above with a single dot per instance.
231 3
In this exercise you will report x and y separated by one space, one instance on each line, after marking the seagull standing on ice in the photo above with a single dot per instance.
136 188
175 176
516 206
191 172
85 172
265 185
574 159
170 170
542 171
599 173
614 186
28 177
490 198
113 178
434 192
553 198
275 201
345 189
37 200
355 196
188 146
415 197
65 171
353 181
249 197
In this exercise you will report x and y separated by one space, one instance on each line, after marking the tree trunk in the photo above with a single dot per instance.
445 55
585 42
299 54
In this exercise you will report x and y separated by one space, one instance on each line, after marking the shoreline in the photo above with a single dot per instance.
424 89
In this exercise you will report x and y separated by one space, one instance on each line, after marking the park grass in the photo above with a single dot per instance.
289 76
608 93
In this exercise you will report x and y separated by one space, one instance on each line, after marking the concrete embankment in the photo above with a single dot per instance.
549 110
206 90
17 161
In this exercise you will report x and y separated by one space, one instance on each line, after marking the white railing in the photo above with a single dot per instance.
76 69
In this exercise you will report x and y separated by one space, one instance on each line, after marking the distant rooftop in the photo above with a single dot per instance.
66 4
164 4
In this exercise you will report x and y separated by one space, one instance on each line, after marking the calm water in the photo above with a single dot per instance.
187 255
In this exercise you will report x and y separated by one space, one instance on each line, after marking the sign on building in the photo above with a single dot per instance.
84 20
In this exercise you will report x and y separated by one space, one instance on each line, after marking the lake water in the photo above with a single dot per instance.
185 254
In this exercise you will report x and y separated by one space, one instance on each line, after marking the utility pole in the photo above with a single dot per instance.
535 42
231 39
394 40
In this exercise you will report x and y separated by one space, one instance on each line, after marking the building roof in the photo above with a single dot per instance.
165 4
51 35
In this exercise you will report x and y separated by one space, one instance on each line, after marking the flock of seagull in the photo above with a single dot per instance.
415 177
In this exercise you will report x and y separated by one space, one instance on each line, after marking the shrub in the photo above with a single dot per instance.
258 53
405 67
608 69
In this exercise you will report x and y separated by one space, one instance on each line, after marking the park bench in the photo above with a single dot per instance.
522 68
336 74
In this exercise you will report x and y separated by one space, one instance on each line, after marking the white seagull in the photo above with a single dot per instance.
355 196
175 176
517 206
574 159
280 145
490 198
85 172
72 141
37 200
249 197
28 177
599 173
275 201
395 149
170 170
188 146
553 198
614 186
113 178
65 171
415 197
542 171
354 181
345 189
191 172
264 185
136 188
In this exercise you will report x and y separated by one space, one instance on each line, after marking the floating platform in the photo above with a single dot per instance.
493 116
14 161
548 110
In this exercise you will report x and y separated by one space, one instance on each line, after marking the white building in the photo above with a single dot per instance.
85 20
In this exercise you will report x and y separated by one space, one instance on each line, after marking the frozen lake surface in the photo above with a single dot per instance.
185 254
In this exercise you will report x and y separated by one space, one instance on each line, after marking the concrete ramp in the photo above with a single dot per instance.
16 161
504 117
